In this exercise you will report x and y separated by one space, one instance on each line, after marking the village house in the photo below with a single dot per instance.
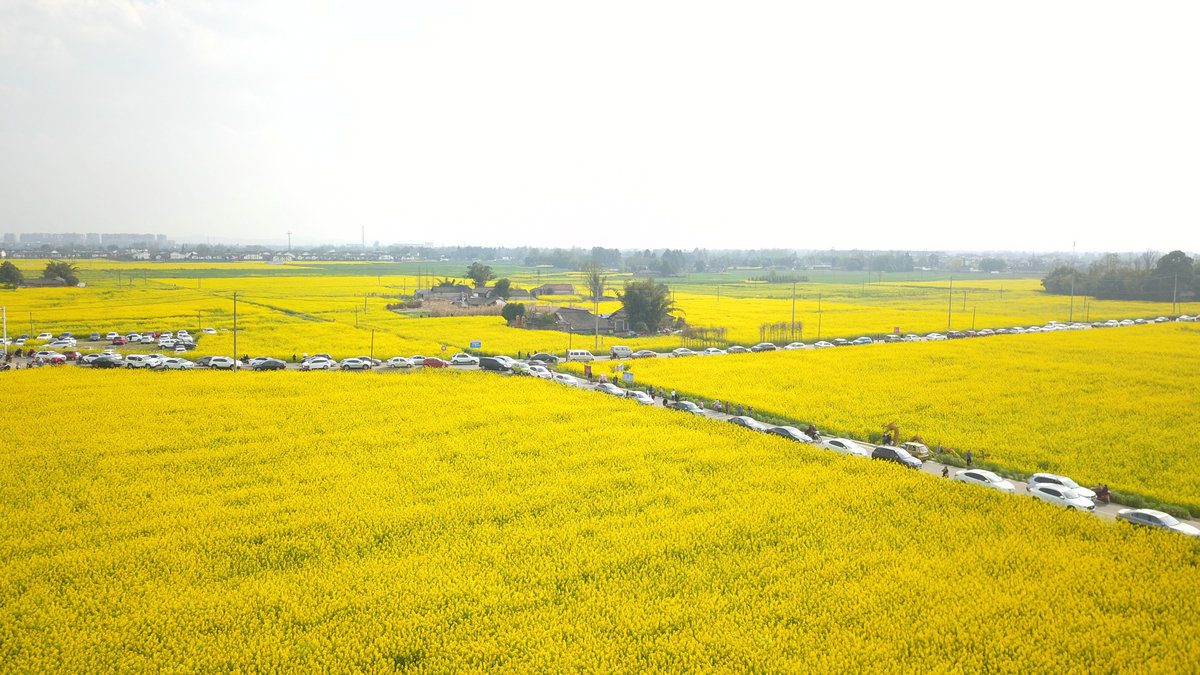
553 289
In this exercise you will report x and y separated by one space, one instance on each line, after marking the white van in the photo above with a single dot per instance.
620 352
579 355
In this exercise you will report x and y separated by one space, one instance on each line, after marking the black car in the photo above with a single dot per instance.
790 433
687 406
764 347
900 456
108 362
747 422
492 363
738 349
270 364
203 361
544 358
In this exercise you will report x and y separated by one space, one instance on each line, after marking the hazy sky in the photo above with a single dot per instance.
913 125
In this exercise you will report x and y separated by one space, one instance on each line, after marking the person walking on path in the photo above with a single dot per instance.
970 458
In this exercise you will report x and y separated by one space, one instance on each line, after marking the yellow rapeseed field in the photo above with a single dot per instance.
449 522
1112 405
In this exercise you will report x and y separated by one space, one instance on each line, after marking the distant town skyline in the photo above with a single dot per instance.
1024 126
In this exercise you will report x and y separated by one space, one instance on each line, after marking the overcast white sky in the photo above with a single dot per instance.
910 125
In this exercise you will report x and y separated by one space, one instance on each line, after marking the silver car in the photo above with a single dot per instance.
1157 520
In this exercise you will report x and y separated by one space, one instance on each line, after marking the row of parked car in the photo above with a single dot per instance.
1047 487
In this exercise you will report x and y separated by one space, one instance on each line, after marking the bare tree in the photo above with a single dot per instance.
594 279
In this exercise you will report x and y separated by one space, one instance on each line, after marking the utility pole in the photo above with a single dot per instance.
973 308
372 343
964 302
31 333
198 324
289 241
950 308
793 311
818 316
1072 317
236 363
1175 293
4 311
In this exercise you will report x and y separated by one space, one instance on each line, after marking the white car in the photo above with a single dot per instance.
610 388
986 479
61 344
1061 481
354 363
398 362
257 360
640 396
912 337
682 351
541 372
844 446
142 361
167 343
175 363
111 335
822 345
319 364
713 351
796 345
88 358
222 363
45 336
1061 496
210 331
146 340
461 359
563 378
933 337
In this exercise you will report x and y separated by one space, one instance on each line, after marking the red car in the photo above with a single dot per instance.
434 362
71 355
57 360
119 340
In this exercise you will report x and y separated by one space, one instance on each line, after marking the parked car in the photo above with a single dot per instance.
434 362
354 363
764 347
270 364
203 361
620 352
645 354
1061 496
580 355
112 335
840 342
986 479
568 380
318 364
738 349
934 337
610 388
864 340
493 363
844 446
93 337
89 358
210 331
398 362
687 406
795 345
791 433
1061 481
108 361
371 360
890 453
176 363
540 372
640 396
72 355
222 363
257 360
119 340
461 359
1157 520
713 351
45 336
544 358
822 344
747 422
140 361
682 351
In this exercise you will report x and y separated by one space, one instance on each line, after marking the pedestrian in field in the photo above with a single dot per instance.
293 357
750 411
739 410
726 407
970 458
939 448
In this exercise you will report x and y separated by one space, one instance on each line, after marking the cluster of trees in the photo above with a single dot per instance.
647 304
1174 276
11 275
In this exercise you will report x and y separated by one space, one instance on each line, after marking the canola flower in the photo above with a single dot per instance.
1110 405
465 522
